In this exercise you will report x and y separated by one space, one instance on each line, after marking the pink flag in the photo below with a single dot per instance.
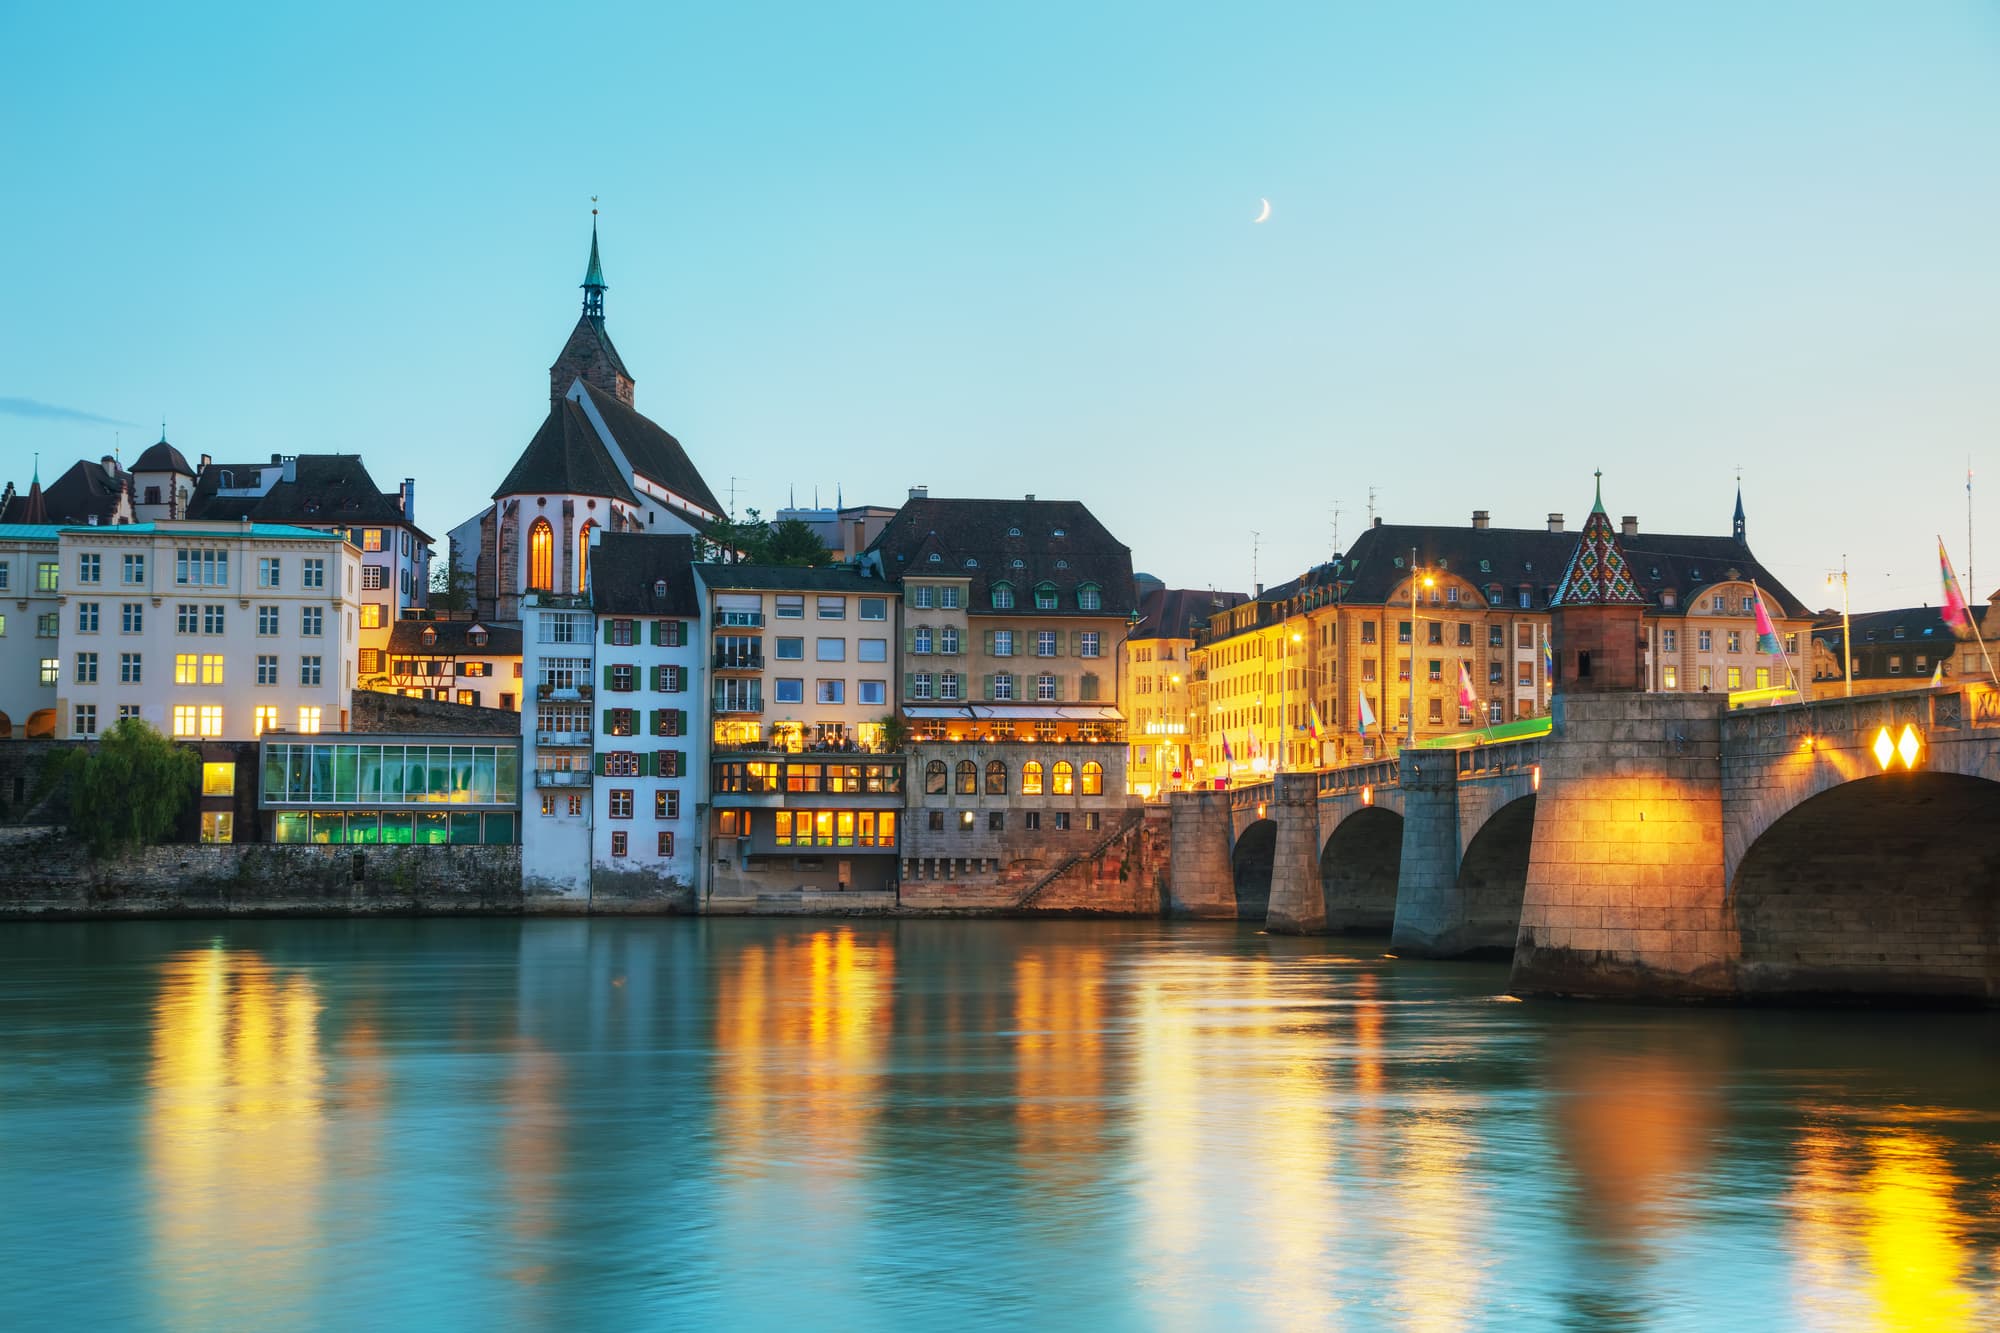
1955 613
1466 698
1767 633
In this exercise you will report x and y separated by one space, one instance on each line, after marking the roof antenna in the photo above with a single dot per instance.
1336 527
1254 536
1371 506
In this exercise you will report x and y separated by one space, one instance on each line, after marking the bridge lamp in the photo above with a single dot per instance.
1906 747
1368 794
1260 809
1535 778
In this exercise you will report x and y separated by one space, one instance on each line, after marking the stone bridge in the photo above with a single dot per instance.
1652 845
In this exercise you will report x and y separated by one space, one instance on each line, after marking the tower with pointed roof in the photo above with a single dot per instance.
1598 614
162 482
1736 526
589 354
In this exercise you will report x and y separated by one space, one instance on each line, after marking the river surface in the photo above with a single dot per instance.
674 1123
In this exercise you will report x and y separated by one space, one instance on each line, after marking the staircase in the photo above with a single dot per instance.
1132 820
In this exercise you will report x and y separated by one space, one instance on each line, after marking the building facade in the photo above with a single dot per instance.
558 737
31 662
217 631
1899 649
460 661
1156 687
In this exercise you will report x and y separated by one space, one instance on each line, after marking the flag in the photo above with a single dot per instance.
1228 756
1466 698
1312 719
1955 613
1767 633
1548 659
1367 714
1937 676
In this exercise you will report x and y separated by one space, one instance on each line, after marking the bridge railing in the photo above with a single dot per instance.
1353 777
1501 758
1256 793
1751 730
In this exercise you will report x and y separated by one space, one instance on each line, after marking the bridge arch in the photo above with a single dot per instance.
1250 863
1886 885
1493 877
1358 869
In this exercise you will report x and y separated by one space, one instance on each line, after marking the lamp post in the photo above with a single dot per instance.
1417 582
1846 629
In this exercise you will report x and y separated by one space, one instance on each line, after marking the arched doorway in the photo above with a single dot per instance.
1493 878
1884 886
41 724
1358 868
1250 868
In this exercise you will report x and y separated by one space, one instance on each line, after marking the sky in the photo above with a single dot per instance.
1002 249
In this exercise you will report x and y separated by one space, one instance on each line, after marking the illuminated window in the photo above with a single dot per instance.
266 719
542 556
583 554
1093 778
308 719
211 669
187 669
1736 678
371 539
373 614
186 718
1031 778
211 719
1062 779
618 842
218 826
218 779
968 778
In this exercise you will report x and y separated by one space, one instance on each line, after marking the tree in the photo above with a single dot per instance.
451 586
743 543
128 789
793 543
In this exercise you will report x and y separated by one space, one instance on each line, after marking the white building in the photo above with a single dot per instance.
30 624
204 629
559 668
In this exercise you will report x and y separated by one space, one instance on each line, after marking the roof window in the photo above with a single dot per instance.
936 558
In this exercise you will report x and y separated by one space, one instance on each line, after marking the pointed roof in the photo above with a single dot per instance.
594 275
1737 522
33 508
653 452
163 457
1597 573
567 457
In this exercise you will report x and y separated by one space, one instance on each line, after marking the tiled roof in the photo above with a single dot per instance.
326 488
653 453
566 457
982 540
793 578
628 569
1174 613
1597 574
163 457
591 329
406 638
84 492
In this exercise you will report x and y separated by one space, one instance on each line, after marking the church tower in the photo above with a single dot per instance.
1598 614
1737 526
589 355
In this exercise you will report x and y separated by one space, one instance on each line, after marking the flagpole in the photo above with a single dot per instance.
1973 621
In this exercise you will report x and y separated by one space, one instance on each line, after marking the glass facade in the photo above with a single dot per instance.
389 791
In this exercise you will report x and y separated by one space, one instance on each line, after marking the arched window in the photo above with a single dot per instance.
583 556
968 778
1031 778
1062 779
1093 778
542 556
996 778
934 778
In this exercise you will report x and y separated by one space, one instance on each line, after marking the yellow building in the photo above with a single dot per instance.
1157 688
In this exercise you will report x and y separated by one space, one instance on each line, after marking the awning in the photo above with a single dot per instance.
1024 713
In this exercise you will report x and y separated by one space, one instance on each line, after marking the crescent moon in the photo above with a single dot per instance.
1267 210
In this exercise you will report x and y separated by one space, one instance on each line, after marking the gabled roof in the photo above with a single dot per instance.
566 457
653 453
1174 613
326 488
406 638
982 540
1597 574
628 569
84 492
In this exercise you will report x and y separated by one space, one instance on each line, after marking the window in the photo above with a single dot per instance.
135 570
791 649
1464 635
1045 687
84 720
1705 640
1895 666
47 576
130 669
874 608
1434 630
187 618
832 691
1669 641
51 670
831 608
1045 643
1062 820
1032 821
1436 668
968 778
202 568
666 805
948 596
829 650
1003 686
996 777
1003 643
619 840
1003 597
309 670
1670 677
1402 631
1062 779
790 690
1031 778
948 640
935 820
1736 641
872 650
920 641
1735 679
622 679
312 620
374 615
86 668
187 669
267 669
923 596
265 719
935 777
619 721
1093 778
620 633
920 685
270 572
213 617
89 568
948 684
541 557
621 803
1086 643
267 622
1763 678
666 837
86 617
791 607
1437 712
373 578
874 691
1045 598
371 539
1088 598
1792 642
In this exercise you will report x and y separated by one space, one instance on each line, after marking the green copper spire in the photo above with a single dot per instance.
593 278
1598 507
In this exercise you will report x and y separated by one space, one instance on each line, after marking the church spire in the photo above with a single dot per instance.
593 277
1737 525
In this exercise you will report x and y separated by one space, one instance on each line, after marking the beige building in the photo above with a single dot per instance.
1156 686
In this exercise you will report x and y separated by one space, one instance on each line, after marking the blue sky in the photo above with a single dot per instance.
1002 249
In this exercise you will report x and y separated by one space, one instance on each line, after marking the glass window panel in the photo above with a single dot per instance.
396 829
364 827
346 772
298 773
329 826
482 775
370 762
461 773
845 824
294 826
464 826
499 830
507 776
322 773
274 772
432 831
413 774
392 773
783 822
823 827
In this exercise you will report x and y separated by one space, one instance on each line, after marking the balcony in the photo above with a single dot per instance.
562 777
723 661
753 704
562 738
740 619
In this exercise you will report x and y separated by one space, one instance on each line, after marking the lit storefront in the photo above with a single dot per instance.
423 790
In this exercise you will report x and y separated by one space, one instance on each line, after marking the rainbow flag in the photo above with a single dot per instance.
1548 659
1466 698
1312 720
1955 612
1767 633
1367 713
1228 756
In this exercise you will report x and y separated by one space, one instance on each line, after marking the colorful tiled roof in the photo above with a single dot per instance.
1597 573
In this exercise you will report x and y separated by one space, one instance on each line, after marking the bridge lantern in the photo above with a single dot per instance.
1367 794
1907 747
1535 777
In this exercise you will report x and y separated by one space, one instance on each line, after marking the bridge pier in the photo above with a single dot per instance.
1431 919
1200 882
1298 901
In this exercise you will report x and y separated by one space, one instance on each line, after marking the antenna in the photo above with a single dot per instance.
1336 527
1371 506
732 498
1254 537
1968 527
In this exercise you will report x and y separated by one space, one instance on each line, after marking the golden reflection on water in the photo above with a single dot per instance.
234 1137
1877 1232
1059 1084
531 1157
1637 1125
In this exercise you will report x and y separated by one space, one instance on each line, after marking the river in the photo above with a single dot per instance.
929 1124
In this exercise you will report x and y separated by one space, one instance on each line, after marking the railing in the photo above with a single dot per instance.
739 705
1499 758
1353 777
562 777
815 749
562 738
740 619
738 661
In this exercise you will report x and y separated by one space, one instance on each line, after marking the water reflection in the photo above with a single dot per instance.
234 1138
1059 1076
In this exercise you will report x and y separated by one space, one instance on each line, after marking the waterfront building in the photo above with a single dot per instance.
461 661
1898 649
558 668
803 790
30 629
205 630
1156 689
594 465
1014 616
379 789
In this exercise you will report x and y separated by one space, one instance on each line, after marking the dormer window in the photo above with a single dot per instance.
1668 599
476 638
1486 566
1528 565
936 559
429 636
1020 563
1088 598
1062 564
1045 597
1003 596
1896 633
970 563
1013 532
1058 533
659 588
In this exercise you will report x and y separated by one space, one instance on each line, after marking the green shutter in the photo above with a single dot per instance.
599 759
680 763
1059 689
659 633
909 684
989 643
607 721
909 641
681 721
607 676
645 763
989 685
658 720
607 630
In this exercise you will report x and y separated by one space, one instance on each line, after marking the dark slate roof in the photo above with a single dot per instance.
31 508
406 639
982 531
652 452
1875 641
793 578
326 489
566 457
591 329
83 493
1175 613
627 567
163 457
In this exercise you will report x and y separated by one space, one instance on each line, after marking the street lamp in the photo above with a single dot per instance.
1846 630
1416 599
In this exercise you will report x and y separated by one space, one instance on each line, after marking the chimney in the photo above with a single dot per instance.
1260 590
277 458
408 496
1628 526
1555 522
205 461
1377 523
920 492
1031 495
1481 519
